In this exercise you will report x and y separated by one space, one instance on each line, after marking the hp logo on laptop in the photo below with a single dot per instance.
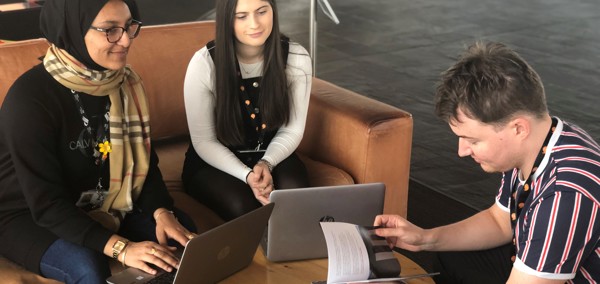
223 253
327 219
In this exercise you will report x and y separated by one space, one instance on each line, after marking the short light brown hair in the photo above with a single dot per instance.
490 83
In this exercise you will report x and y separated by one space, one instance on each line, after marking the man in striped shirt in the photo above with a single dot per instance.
545 224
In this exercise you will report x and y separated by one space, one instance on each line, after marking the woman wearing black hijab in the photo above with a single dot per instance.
78 178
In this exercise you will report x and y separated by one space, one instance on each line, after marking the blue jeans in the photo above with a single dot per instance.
71 263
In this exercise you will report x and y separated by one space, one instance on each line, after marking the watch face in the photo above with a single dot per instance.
118 247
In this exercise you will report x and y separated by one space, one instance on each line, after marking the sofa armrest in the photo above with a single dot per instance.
368 139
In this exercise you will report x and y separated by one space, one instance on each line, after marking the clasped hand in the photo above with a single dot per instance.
260 181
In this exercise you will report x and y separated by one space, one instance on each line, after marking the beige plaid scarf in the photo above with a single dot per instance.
129 123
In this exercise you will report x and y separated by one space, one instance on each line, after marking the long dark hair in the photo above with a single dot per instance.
274 101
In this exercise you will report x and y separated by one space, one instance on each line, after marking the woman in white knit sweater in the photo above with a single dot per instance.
246 98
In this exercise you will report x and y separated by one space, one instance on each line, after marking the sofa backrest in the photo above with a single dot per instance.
16 58
160 55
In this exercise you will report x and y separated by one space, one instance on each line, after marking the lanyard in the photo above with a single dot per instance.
252 111
518 197
102 128
101 137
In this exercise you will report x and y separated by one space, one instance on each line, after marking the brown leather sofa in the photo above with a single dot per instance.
349 138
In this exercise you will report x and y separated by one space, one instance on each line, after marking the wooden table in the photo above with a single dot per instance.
304 271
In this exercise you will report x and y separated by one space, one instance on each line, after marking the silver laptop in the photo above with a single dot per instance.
294 232
213 255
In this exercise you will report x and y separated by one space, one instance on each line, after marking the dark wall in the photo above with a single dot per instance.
24 24
156 12
20 24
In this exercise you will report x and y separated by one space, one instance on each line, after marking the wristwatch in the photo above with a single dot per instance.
118 247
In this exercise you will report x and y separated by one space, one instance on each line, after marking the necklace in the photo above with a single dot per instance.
520 193
256 66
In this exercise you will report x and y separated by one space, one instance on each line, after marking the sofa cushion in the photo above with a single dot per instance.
12 273
205 218
171 154
321 174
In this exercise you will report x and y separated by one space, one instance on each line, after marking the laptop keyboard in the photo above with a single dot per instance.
165 278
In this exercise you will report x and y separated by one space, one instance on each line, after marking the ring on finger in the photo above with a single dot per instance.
190 236
153 251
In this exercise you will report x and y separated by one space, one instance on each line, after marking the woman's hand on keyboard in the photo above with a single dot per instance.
141 254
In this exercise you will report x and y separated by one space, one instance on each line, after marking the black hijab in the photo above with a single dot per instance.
65 23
